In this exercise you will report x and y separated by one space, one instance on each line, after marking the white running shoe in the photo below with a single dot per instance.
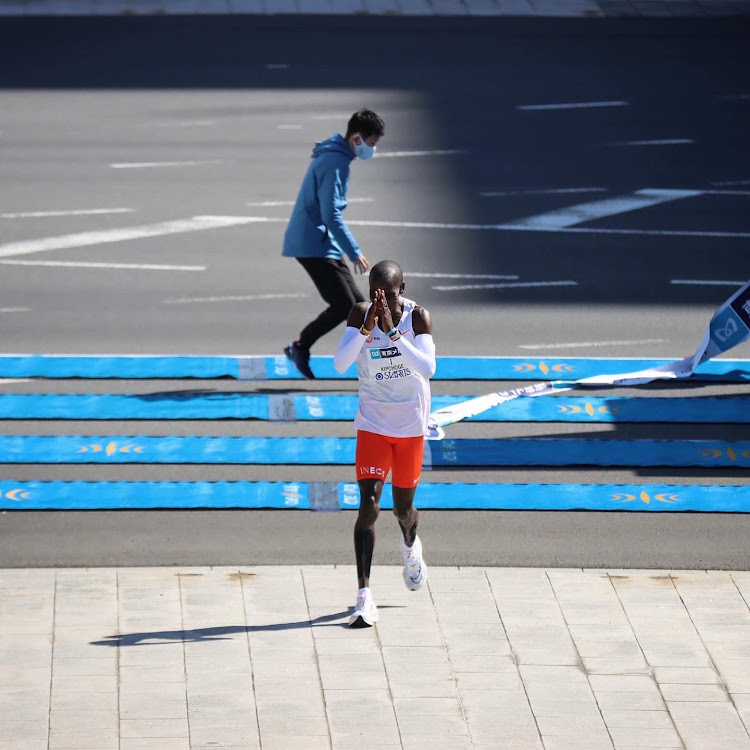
365 613
415 570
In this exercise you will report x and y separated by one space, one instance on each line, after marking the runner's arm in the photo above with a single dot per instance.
421 354
351 342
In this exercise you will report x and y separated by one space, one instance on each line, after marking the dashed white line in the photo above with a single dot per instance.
573 105
8 381
84 239
727 183
590 344
14 309
656 142
420 275
84 264
572 215
517 285
73 212
155 164
179 124
706 282
269 204
443 152
553 191
332 116
237 298
727 192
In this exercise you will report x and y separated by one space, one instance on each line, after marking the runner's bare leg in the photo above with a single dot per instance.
364 529
406 513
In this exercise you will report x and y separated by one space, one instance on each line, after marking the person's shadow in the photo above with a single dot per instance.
222 633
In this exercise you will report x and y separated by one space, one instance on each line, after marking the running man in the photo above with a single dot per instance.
317 235
391 340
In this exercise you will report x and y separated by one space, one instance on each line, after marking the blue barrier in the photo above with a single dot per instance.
296 495
342 407
263 367
340 451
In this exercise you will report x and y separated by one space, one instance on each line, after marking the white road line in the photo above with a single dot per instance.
332 116
239 298
590 344
518 285
8 381
572 215
573 105
728 183
727 192
444 152
658 142
278 66
705 282
419 275
554 191
77 264
74 212
179 124
84 239
289 127
152 164
267 204
14 309
522 228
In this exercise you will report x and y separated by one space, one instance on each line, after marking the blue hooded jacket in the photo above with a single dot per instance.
316 228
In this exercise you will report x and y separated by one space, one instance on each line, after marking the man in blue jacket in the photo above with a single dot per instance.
317 235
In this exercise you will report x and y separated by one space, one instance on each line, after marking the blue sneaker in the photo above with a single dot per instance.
300 358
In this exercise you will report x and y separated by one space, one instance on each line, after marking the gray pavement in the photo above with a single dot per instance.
260 658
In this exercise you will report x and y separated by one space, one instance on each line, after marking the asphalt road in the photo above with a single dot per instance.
165 119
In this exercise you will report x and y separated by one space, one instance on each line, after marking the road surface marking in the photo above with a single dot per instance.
517 285
572 105
705 282
727 192
444 152
588 344
73 212
419 275
14 309
289 127
727 183
179 124
572 215
150 164
658 142
236 298
84 239
554 191
333 116
277 66
266 204
82 264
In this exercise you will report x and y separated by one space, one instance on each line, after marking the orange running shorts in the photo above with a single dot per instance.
379 454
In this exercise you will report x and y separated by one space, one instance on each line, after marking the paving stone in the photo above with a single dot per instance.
694 693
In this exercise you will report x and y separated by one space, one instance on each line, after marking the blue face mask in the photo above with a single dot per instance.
362 150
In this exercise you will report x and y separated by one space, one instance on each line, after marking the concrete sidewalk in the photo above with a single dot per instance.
177 658
530 8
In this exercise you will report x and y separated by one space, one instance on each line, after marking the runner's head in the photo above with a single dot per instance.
364 130
388 276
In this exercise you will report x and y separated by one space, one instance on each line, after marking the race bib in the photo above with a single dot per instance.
386 364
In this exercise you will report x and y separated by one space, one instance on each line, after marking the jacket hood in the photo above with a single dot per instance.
336 143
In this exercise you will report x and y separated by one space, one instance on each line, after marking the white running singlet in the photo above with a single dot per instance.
394 400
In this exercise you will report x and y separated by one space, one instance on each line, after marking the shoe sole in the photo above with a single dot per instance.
360 622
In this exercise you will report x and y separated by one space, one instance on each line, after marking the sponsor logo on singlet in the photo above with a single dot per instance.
385 353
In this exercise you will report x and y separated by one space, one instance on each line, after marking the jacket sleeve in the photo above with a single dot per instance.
332 200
